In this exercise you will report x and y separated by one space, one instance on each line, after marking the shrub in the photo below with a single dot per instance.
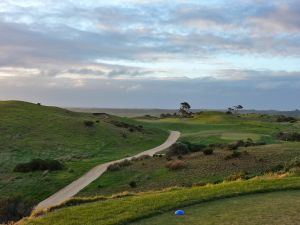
14 208
38 164
141 158
285 136
118 165
124 163
242 175
175 165
88 123
293 163
276 168
114 167
178 149
132 184
208 151
196 147
283 118
232 147
234 154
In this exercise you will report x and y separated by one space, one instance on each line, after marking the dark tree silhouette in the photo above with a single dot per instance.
184 109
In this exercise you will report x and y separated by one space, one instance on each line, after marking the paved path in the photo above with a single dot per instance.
77 185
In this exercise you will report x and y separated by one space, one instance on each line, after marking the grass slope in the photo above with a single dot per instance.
31 131
151 174
205 128
130 209
277 208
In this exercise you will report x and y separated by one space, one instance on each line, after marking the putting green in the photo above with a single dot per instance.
277 208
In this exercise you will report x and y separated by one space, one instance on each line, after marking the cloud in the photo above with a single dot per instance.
136 49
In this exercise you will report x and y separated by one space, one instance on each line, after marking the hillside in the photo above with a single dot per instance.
206 128
157 206
78 141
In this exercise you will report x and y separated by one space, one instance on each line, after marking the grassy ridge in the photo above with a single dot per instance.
145 205
277 208
152 174
31 131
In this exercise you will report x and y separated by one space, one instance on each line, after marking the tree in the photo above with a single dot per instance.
238 107
184 109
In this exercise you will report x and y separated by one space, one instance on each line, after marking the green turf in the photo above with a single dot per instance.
205 128
31 131
151 174
129 209
277 208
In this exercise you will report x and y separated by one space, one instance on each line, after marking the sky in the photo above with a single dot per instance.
151 54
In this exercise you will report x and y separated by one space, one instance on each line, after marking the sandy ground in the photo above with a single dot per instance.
77 185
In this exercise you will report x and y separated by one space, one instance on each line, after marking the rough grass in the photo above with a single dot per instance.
31 131
277 208
151 174
129 209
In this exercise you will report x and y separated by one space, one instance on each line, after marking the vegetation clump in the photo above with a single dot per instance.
288 136
118 165
178 148
132 184
13 209
292 164
242 175
88 123
38 164
289 119
128 126
175 165
208 151
234 154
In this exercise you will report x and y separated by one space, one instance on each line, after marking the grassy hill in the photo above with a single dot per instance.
124 210
78 140
34 131
206 128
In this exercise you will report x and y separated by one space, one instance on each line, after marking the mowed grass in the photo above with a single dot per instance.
152 174
29 131
277 208
218 127
129 209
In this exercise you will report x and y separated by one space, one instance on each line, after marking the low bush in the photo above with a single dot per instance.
288 136
175 165
38 164
234 154
283 118
208 151
114 167
13 209
118 165
178 148
293 163
132 184
141 158
88 123
130 127
242 175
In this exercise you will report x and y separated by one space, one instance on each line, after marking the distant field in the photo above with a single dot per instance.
30 131
157 112
277 208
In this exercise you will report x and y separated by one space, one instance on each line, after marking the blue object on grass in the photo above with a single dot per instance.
179 212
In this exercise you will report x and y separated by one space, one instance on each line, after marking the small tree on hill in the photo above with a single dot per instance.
184 109
238 107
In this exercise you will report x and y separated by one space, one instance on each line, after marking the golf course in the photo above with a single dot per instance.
217 160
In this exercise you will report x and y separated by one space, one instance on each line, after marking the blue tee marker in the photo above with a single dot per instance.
179 212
